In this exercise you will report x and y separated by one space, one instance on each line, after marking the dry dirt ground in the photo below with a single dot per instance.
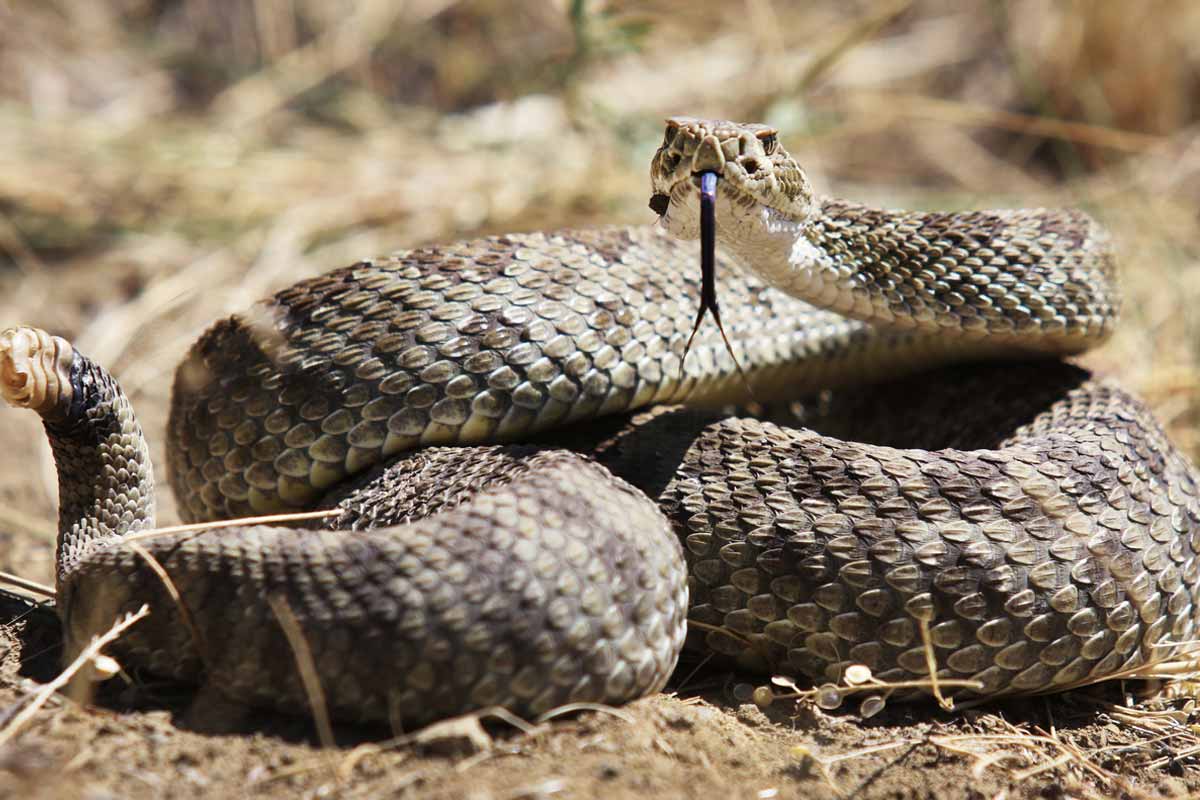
163 164
697 740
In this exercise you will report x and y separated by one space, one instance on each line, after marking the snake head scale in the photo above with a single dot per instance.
757 176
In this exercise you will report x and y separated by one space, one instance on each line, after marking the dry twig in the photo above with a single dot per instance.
306 666
88 654
30 586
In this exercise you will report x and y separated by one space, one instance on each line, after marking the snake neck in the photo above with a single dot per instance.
1040 279
105 479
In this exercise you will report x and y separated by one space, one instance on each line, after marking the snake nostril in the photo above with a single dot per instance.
750 164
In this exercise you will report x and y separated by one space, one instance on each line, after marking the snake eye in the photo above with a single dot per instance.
769 141
659 203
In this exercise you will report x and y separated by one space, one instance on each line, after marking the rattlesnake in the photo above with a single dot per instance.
1050 541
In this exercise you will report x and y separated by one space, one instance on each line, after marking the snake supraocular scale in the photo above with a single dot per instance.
1049 540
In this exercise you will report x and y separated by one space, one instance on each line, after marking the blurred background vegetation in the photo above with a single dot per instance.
165 162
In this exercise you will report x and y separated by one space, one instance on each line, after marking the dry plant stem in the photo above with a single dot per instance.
504 715
232 523
703 662
176 597
1159 763
28 585
854 34
866 751
89 653
1175 670
1053 764
879 686
808 758
1069 752
350 762
704 626
825 762
1181 643
305 67
571 708
956 113
931 663
306 666
323 761
346 766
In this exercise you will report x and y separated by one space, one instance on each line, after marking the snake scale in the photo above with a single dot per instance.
1029 523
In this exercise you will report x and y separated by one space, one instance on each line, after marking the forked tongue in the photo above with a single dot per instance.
708 271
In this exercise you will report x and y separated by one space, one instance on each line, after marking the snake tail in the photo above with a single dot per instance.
106 485
506 598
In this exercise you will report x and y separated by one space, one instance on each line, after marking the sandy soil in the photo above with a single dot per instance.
697 740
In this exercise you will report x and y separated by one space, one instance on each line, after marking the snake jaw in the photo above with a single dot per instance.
35 369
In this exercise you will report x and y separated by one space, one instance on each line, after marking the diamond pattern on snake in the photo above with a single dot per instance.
536 492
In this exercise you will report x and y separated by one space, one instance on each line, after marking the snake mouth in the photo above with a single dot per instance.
35 369
677 192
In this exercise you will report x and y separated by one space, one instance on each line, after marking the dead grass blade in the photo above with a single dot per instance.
810 757
88 654
955 112
306 666
465 726
32 587
931 664
571 708
857 31
1034 747
231 523
305 67
176 597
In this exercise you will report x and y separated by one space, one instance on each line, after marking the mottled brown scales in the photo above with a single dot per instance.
992 272
1042 563
512 335
469 607
1035 520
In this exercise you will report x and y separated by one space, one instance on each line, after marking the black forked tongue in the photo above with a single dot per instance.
708 272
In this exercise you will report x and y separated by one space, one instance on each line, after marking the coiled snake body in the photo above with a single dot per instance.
1050 541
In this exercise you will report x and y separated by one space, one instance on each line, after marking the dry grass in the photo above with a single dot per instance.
165 162
199 154
90 656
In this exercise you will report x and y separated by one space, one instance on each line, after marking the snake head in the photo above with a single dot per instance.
759 179
35 370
